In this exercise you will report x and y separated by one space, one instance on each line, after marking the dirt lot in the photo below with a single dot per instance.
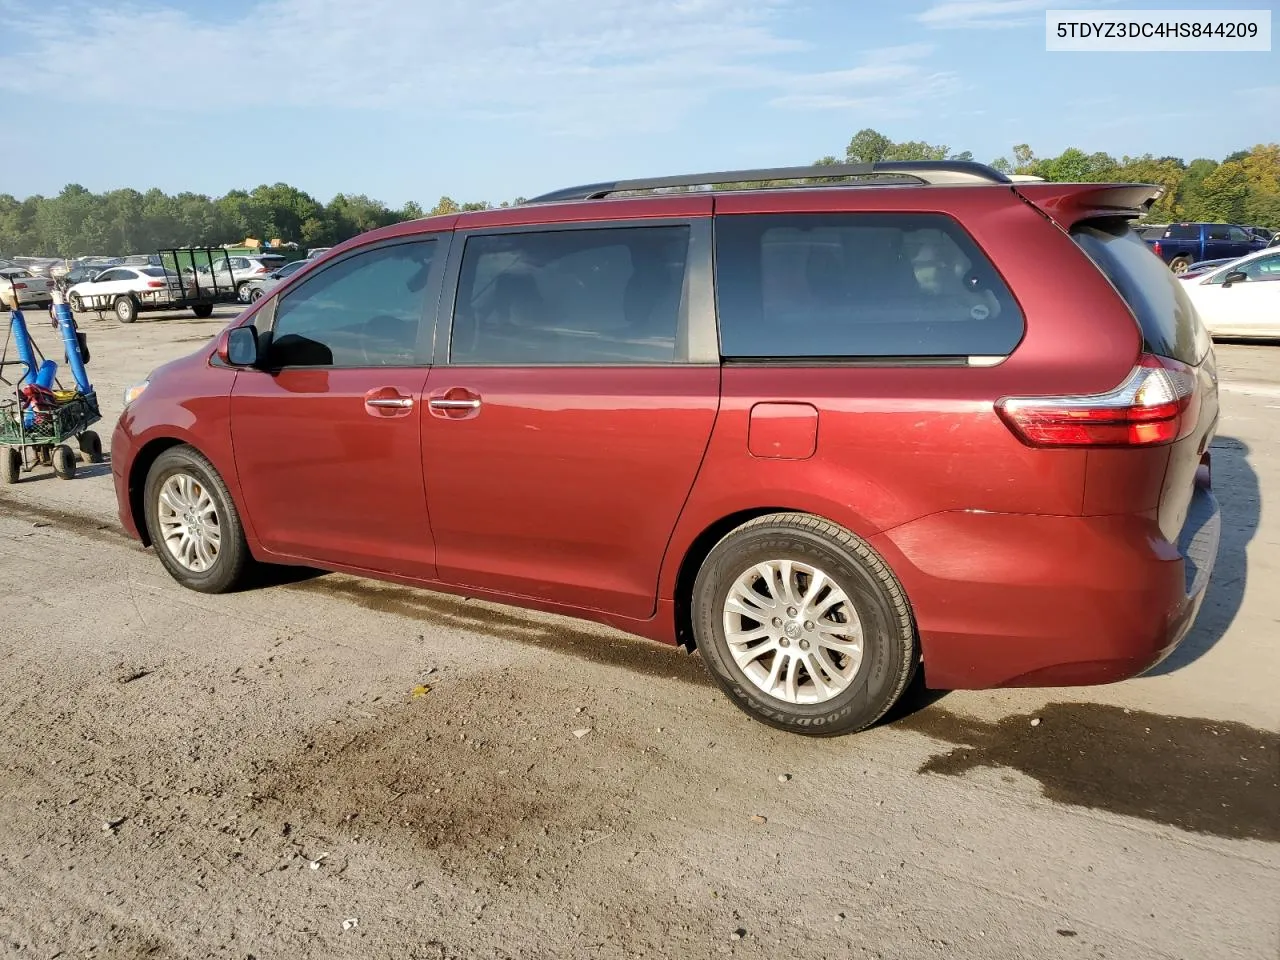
328 767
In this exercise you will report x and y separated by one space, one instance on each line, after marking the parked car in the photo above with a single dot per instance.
1240 298
1263 233
260 287
1201 267
31 291
241 270
825 435
126 291
1184 243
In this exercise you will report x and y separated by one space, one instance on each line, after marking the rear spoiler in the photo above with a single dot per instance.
1067 204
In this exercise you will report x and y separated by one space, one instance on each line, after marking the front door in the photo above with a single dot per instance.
564 433
327 434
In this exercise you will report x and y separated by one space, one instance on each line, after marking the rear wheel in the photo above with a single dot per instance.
64 462
126 309
193 522
242 293
74 303
803 625
1179 264
90 447
10 464
203 310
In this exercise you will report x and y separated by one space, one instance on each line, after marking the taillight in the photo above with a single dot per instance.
155 284
1156 248
19 286
1152 406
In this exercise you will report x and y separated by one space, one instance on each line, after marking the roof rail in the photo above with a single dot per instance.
936 172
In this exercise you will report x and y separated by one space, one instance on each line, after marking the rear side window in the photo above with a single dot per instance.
1170 325
611 295
858 285
1183 231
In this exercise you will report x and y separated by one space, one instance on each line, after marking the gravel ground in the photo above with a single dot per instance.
329 767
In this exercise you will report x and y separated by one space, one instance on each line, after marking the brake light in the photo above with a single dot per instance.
1156 248
18 285
1152 406
155 284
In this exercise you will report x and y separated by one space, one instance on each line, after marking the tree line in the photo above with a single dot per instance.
1243 187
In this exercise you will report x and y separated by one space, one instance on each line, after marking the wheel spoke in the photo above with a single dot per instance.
824 689
775 671
791 688
816 583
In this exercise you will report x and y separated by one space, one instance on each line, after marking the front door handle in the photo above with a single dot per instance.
387 402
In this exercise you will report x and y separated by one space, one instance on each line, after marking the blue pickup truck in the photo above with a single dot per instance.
1182 244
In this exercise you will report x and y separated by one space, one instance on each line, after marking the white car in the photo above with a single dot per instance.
1240 298
126 291
239 271
32 291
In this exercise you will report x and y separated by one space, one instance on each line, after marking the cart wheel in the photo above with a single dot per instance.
126 309
10 465
203 311
90 447
64 462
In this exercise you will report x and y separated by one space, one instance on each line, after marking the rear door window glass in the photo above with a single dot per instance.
1183 231
1170 325
858 285
363 311
612 295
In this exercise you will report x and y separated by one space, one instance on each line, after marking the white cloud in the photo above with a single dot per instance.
984 14
574 65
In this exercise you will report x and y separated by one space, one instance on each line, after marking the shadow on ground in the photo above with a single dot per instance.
1236 485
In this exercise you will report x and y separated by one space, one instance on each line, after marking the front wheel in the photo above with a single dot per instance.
10 464
255 295
126 309
64 462
193 523
803 625
90 447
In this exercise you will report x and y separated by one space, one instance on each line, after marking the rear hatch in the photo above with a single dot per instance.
1172 331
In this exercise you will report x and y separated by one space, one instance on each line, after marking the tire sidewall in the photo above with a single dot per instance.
132 311
231 552
876 684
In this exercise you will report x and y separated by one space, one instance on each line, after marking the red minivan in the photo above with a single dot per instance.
921 417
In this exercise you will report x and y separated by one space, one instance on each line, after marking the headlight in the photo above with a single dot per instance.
134 391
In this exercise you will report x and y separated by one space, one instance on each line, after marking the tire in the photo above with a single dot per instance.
64 462
74 303
1179 264
255 295
203 311
242 293
90 447
870 675
126 309
193 479
10 465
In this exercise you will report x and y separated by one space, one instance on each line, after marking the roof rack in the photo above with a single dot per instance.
934 172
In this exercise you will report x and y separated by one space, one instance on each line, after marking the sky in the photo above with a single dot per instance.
495 99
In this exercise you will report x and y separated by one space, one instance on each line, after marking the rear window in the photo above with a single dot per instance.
1170 325
858 285
152 271
1183 231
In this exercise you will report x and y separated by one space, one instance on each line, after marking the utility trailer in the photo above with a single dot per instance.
192 280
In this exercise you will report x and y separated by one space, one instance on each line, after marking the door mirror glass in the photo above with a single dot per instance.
242 347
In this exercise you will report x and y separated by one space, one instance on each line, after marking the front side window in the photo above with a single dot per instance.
1264 268
363 311
858 285
611 295
1240 235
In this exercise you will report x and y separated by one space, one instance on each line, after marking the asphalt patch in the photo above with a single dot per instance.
1203 776
635 654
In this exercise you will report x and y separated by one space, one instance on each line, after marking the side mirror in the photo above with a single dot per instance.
242 347
1235 276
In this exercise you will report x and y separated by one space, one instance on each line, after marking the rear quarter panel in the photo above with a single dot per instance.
897 442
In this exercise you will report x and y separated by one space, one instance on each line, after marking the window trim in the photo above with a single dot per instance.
976 361
426 323
696 340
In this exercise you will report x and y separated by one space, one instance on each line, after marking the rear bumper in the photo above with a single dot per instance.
1024 600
